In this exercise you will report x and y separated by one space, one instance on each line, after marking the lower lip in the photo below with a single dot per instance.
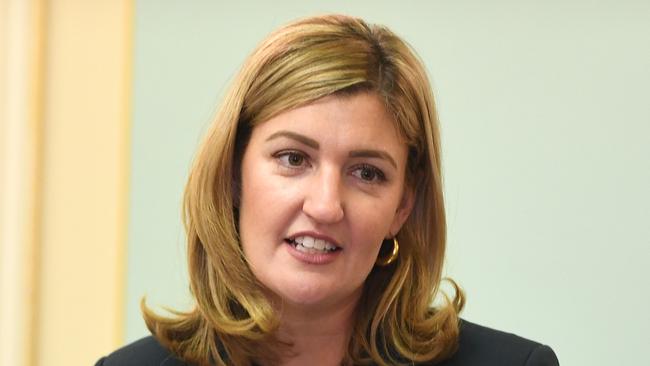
313 258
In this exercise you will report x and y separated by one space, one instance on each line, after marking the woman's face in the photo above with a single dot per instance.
322 186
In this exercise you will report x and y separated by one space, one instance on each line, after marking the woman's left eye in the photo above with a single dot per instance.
369 174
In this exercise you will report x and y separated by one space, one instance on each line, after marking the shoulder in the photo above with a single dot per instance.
479 345
144 352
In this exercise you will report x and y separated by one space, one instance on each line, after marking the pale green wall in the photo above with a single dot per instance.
546 130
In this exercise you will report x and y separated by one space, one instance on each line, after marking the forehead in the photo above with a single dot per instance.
360 118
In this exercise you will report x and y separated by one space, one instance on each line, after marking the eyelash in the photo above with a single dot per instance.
378 174
283 160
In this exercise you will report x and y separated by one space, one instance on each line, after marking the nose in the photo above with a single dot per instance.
323 201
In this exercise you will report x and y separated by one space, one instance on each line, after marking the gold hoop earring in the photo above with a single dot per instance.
391 258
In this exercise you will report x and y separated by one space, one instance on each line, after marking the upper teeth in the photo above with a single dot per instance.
309 242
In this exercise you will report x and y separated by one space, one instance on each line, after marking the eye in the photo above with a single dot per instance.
291 159
369 174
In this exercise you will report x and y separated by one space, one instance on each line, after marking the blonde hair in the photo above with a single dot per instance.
233 322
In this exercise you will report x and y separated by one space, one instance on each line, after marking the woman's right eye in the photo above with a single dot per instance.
291 159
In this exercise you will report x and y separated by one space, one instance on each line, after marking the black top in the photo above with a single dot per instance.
478 346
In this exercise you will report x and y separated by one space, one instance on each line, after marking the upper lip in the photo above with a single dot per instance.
315 235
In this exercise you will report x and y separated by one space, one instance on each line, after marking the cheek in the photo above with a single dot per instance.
376 215
251 199
371 225
267 204
267 198
370 231
254 189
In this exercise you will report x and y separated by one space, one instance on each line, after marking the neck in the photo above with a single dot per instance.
319 334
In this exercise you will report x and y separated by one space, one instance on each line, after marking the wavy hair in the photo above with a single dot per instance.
233 322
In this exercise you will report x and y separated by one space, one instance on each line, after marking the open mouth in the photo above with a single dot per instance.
307 244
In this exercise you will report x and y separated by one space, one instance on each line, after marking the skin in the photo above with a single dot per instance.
336 168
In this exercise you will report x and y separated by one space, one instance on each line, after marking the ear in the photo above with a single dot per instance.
403 211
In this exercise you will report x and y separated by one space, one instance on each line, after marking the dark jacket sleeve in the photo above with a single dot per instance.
479 345
144 352
542 356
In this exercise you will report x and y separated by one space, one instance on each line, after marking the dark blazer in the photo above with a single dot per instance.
478 346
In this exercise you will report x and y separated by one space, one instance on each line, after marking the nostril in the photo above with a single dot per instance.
323 212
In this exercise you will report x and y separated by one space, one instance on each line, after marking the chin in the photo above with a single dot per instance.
310 289
311 295
305 294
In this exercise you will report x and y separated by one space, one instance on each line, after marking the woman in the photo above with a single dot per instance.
315 217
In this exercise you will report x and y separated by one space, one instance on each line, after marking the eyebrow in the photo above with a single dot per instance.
295 136
373 154
366 153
